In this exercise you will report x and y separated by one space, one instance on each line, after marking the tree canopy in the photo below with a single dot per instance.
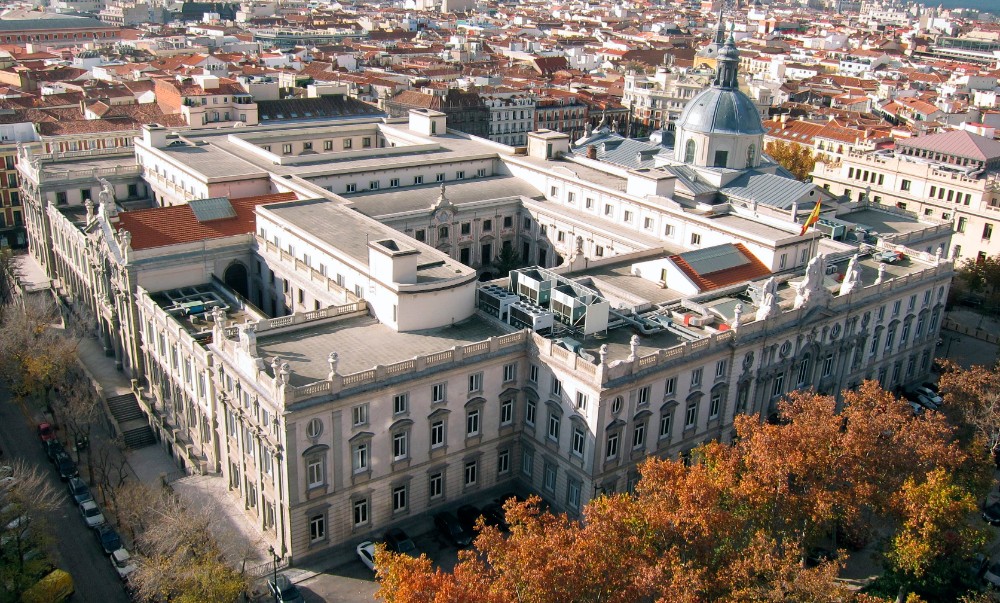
737 522
797 159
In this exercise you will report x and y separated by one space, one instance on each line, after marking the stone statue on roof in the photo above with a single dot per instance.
769 301
810 289
852 277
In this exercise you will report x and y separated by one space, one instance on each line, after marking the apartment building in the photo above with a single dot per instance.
305 312
952 177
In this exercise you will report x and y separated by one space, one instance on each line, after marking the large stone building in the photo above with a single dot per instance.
303 307
952 178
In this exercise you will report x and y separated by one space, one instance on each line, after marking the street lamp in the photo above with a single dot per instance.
274 587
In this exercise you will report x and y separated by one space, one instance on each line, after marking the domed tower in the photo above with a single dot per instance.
721 126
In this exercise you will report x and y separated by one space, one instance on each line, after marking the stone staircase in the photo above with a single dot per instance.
132 421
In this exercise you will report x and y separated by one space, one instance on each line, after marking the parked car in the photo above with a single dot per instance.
467 516
52 449
991 513
931 386
91 513
53 588
397 541
927 402
449 527
78 490
929 394
495 516
366 552
284 591
123 563
890 257
46 432
65 466
109 538
992 575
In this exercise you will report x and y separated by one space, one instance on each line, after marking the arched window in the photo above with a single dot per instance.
751 152
689 152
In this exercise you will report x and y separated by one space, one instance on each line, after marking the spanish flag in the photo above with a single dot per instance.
812 219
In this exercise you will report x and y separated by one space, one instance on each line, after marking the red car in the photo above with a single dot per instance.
46 432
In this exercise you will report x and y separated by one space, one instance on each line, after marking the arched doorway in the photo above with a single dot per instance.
236 279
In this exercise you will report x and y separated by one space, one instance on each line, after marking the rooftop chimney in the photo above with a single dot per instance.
592 152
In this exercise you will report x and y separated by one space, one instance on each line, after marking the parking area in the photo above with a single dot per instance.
350 581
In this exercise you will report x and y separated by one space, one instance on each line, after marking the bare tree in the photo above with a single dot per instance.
35 353
111 469
26 495
78 407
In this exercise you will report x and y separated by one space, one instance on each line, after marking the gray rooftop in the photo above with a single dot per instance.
770 189
61 22
884 222
385 202
343 229
714 259
362 343
720 109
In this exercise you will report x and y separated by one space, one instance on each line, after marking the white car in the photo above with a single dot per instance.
929 394
123 563
91 513
366 552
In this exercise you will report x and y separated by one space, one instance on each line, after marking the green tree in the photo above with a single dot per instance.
797 159
928 553
35 352
507 260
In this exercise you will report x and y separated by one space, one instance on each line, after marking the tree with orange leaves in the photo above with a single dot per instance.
732 527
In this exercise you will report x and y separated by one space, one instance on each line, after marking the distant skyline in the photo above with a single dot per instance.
980 5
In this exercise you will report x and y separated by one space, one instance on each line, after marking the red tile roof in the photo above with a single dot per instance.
729 276
174 225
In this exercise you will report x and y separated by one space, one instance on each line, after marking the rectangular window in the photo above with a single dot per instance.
472 423
691 416
314 471
573 495
904 185
438 177
665 422
352 187
459 175
509 372
628 216
551 472
348 143
317 528
366 142
643 395
669 385
720 369
435 487
828 365
360 460
506 412
611 450
481 172
554 426
360 414
590 203
471 470
988 231
438 392
639 435
418 180
647 223
475 382
373 185
437 434
399 498
696 378
399 446
779 385
581 401
695 238
360 512
527 462
579 441
533 373
895 307
503 462
608 209
556 387
529 412
715 405
400 403
394 183
571 197
668 231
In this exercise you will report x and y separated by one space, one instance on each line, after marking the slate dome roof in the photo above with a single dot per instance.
721 110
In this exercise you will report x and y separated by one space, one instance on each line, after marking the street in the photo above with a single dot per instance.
73 547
